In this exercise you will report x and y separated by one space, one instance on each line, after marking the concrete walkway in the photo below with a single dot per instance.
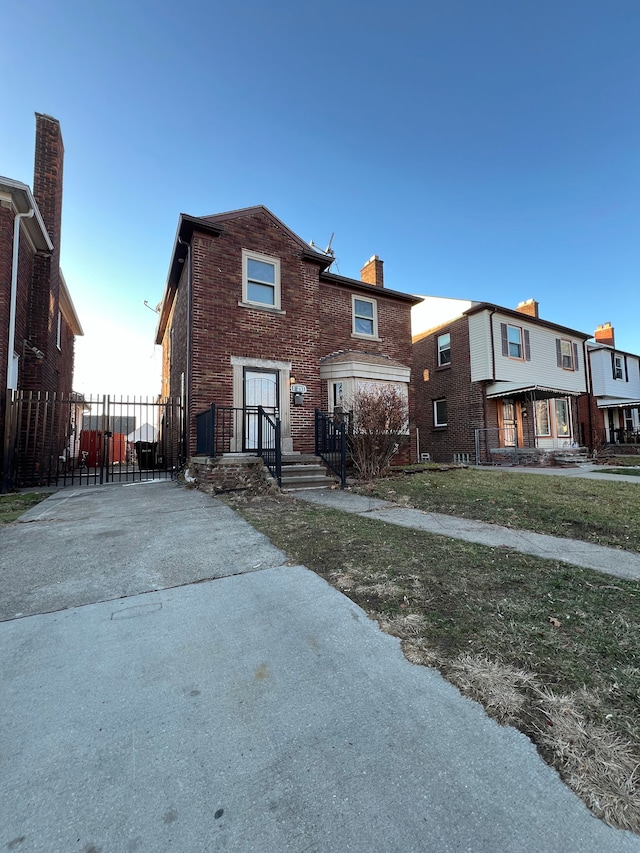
612 561
179 686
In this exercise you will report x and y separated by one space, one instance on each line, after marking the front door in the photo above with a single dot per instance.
260 389
510 423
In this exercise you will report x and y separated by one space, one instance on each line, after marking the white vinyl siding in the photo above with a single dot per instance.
602 370
541 368
480 346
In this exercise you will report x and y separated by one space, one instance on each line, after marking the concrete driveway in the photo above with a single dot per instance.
177 686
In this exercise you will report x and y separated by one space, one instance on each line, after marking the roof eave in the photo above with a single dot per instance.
184 234
511 312
68 309
23 202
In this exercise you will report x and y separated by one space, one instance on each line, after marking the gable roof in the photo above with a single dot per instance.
214 226
524 318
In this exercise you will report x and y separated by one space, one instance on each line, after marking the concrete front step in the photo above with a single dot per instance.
305 476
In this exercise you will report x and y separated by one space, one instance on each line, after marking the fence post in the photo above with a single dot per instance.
278 453
260 416
213 429
343 455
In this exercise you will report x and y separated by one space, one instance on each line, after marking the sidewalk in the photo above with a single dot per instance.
180 686
611 561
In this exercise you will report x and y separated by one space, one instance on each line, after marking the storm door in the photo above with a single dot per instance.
510 422
260 389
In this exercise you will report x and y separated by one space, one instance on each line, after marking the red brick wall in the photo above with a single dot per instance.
221 328
317 321
466 411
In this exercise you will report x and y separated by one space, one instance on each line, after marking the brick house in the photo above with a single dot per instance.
503 378
612 409
38 322
251 315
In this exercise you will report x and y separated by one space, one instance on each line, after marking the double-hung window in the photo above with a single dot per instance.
365 317
260 280
515 342
444 350
617 367
567 354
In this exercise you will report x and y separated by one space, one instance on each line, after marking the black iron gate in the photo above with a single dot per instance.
60 440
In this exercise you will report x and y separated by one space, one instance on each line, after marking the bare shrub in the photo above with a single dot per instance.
380 422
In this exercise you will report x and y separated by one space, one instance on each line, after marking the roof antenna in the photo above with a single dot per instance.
155 310
328 251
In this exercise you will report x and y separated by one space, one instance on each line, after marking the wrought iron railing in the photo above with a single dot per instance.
331 443
253 429
269 444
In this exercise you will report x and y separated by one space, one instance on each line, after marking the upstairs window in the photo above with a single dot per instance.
567 354
515 342
260 280
617 367
365 317
444 350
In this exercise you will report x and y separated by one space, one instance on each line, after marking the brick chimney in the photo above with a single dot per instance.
530 307
45 288
47 175
371 272
604 335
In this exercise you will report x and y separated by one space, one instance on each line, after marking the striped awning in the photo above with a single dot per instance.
540 392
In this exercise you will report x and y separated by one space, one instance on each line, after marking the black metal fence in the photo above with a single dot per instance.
622 436
331 442
73 439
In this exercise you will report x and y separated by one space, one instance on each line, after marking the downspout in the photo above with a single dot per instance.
493 376
14 290
588 381
6 449
187 378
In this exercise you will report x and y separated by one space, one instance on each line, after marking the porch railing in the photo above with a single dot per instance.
269 444
331 443
622 436
253 429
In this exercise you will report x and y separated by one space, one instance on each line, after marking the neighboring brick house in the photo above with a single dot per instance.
612 409
501 378
250 311
38 322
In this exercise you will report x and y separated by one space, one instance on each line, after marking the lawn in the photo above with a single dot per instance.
12 506
603 512
549 648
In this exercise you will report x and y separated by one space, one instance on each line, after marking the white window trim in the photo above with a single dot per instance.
618 366
265 259
436 423
564 343
442 348
354 334
520 345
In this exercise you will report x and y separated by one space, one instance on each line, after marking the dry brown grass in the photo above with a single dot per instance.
482 617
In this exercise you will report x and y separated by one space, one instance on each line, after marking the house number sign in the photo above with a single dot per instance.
298 389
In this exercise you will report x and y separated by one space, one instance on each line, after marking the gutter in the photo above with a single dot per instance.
14 291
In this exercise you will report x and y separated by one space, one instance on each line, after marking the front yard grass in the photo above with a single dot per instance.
546 647
602 512
12 506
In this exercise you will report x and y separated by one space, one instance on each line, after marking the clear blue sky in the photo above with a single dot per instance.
485 150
